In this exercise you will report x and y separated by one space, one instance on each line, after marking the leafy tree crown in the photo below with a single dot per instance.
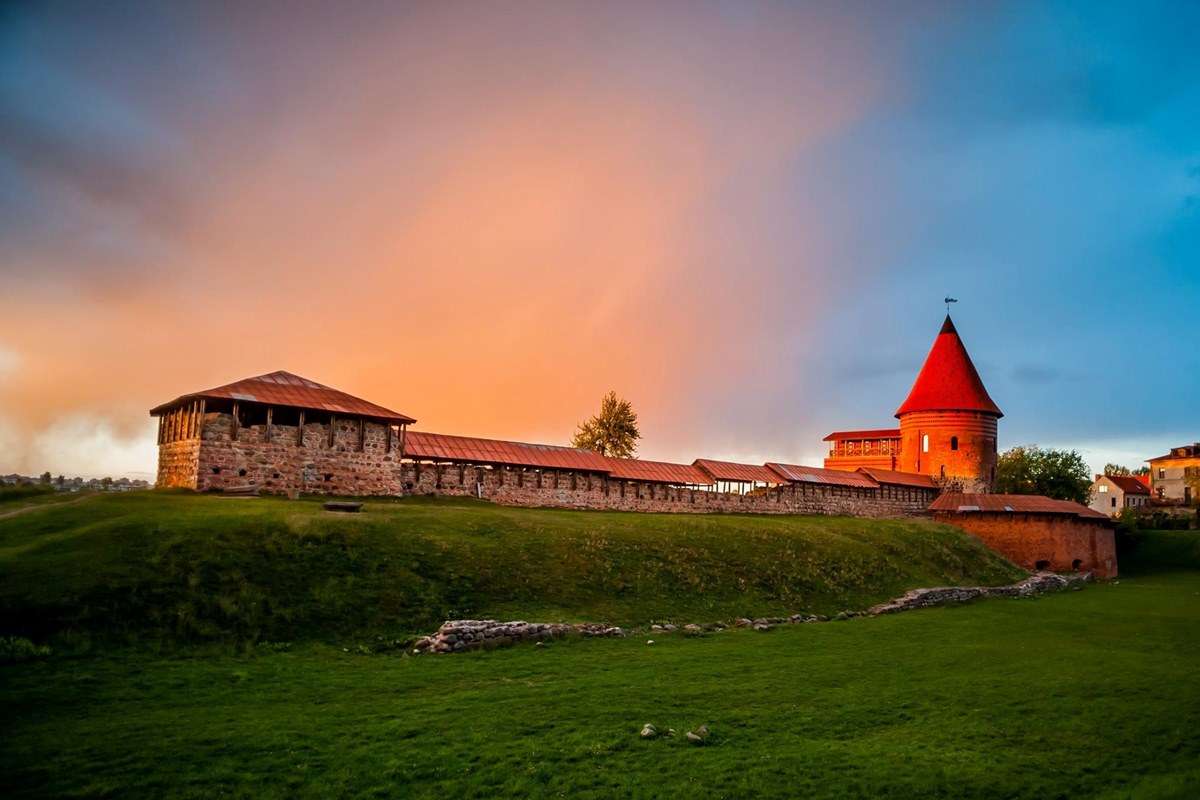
612 432
1029 469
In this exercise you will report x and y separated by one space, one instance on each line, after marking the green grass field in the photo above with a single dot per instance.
186 568
1090 693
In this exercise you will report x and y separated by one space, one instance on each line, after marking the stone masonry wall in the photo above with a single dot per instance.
177 464
217 461
282 466
563 489
1055 540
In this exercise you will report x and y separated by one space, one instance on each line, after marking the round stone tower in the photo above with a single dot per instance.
948 423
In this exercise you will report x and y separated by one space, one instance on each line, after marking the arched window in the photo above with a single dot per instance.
925 443
953 442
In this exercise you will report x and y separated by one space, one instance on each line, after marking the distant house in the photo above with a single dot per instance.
1112 493
1170 474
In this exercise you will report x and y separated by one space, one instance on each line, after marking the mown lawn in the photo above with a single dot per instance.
181 568
1083 694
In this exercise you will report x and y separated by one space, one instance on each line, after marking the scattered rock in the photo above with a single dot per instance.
693 628
761 627
649 731
698 736
743 623
649 641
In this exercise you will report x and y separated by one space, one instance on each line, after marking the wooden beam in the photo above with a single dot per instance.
236 422
200 420
270 419
300 430
387 438
362 434
332 425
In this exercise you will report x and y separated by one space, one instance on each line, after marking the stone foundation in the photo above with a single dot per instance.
469 634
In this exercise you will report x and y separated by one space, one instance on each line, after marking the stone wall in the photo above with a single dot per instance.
283 466
564 489
216 460
177 464
1058 542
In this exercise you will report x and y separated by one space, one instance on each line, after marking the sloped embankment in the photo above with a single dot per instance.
187 568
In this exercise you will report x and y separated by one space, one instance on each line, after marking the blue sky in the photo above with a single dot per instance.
742 216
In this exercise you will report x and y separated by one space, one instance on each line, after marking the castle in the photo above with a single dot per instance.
283 434
948 425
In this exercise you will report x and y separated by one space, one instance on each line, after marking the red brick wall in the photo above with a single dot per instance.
970 468
1026 539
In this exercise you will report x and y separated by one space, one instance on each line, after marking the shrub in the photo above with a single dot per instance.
14 649
11 494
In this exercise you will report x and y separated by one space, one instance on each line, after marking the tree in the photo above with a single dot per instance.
612 432
1142 470
106 481
1061 474
46 478
1115 469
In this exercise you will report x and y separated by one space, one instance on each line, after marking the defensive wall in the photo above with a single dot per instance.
1036 533
364 458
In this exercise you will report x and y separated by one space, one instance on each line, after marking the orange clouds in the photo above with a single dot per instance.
482 223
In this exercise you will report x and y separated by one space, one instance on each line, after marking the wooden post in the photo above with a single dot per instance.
403 437
236 421
300 430
270 419
332 425
362 434
200 419
387 438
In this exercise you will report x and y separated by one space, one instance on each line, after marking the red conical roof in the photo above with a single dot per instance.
948 381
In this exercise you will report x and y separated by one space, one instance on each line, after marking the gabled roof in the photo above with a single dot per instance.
1011 503
637 469
948 380
439 447
1128 484
896 478
795 473
282 388
1184 451
874 433
742 473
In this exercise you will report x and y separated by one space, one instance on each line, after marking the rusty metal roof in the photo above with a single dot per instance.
285 389
440 447
795 473
896 478
874 433
636 469
740 473
1011 503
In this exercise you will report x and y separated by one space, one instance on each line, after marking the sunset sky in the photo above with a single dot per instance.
743 217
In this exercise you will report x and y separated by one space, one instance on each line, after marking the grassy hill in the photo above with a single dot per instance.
186 568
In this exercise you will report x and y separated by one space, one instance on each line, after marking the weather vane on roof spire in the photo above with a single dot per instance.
948 301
